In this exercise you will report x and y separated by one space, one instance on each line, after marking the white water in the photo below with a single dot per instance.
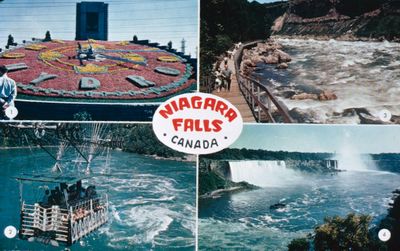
361 74
264 173
350 159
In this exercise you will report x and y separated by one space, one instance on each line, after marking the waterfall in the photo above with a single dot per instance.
264 173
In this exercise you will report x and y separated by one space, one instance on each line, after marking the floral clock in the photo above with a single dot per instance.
97 70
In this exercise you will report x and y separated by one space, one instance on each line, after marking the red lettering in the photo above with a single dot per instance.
167 111
231 115
196 102
184 103
174 105
197 127
207 126
177 123
188 125
217 125
221 107
209 103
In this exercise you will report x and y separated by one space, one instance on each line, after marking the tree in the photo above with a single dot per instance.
47 37
349 233
224 22
169 45
135 39
82 116
300 244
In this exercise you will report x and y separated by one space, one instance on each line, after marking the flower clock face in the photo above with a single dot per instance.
97 70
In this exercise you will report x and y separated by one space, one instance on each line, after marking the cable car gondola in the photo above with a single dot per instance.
67 213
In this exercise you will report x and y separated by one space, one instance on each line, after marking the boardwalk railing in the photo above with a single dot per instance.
263 104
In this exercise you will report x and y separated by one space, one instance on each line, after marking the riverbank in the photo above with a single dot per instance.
343 38
220 192
185 158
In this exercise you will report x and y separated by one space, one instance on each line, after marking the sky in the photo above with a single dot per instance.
320 138
158 20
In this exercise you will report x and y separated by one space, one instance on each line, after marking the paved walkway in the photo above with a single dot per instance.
235 96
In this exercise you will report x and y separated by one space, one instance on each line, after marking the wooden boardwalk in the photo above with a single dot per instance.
235 96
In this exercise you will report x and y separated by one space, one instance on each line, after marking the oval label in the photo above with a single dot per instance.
11 112
197 123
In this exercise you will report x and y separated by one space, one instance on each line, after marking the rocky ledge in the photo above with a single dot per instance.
269 52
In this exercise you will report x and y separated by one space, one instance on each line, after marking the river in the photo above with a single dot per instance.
361 74
152 202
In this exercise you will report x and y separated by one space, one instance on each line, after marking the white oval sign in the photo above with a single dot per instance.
197 123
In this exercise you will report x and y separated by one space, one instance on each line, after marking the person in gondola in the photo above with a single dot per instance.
64 192
91 192
73 193
52 198
80 190
46 197
57 196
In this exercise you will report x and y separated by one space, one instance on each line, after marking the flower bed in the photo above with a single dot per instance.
112 64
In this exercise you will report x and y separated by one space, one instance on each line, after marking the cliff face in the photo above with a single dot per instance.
346 19
319 8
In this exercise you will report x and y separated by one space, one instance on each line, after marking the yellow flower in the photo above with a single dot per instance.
35 47
151 49
123 43
57 41
170 59
13 55
134 57
91 68
50 55
94 46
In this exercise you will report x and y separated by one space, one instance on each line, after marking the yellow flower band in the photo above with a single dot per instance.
13 55
170 59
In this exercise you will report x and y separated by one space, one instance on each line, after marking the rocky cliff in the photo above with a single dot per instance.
214 179
341 19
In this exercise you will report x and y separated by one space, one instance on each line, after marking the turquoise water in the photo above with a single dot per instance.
152 202
244 221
